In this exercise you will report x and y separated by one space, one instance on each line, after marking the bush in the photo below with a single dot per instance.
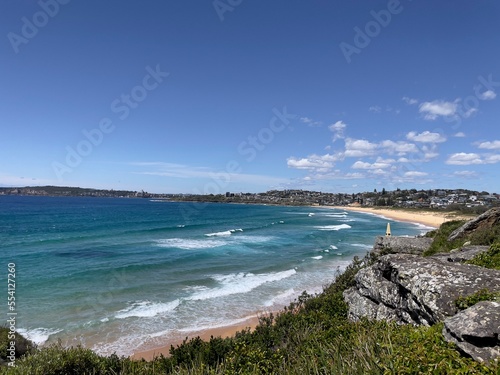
488 259
440 243
23 346
463 303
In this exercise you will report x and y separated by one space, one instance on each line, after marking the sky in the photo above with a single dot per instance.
247 96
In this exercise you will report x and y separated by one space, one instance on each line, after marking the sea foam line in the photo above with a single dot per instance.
190 244
333 227
147 309
38 335
224 233
238 283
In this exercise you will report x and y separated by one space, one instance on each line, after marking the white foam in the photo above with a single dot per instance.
254 239
38 335
237 283
282 298
225 233
189 244
147 309
221 324
333 227
311 214
339 216
318 257
364 246
333 247
180 226
326 251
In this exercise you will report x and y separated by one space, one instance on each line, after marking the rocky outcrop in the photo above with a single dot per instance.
404 245
476 331
486 221
413 289
462 254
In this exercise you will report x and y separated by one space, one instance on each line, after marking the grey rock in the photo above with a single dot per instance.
417 290
476 331
406 245
461 254
484 221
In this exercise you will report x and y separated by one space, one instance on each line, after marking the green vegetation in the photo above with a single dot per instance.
463 303
488 259
311 336
440 235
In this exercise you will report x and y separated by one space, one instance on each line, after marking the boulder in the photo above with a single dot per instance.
413 289
406 245
488 220
476 331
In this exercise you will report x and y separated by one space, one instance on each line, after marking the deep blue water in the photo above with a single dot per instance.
117 274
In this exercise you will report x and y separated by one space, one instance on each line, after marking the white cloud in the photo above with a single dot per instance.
359 148
465 174
463 158
320 163
399 147
432 110
469 112
338 130
488 95
365 165
409 101
375 109
426 137
459 135
495 145
310 121
184 171
412 174
492 159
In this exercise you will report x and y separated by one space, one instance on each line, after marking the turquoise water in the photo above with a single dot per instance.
122 274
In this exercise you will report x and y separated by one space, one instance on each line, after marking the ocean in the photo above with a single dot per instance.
126 275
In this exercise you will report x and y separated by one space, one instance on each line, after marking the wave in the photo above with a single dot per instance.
221 324
190 244
282 298
224 233
317 257
333 247
237 283
364 246
333 227
38 335
147 309
339 216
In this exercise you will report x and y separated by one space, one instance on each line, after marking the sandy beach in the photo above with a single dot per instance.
428 218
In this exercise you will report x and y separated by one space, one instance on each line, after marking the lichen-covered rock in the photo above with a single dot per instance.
484 221
404 245
413 289
476 331
462 254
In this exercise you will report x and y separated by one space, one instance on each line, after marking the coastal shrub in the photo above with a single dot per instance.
464 302
23 345
440 243
488 259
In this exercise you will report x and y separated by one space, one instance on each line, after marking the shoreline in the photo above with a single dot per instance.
428 218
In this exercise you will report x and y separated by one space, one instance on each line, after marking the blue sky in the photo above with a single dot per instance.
240 95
